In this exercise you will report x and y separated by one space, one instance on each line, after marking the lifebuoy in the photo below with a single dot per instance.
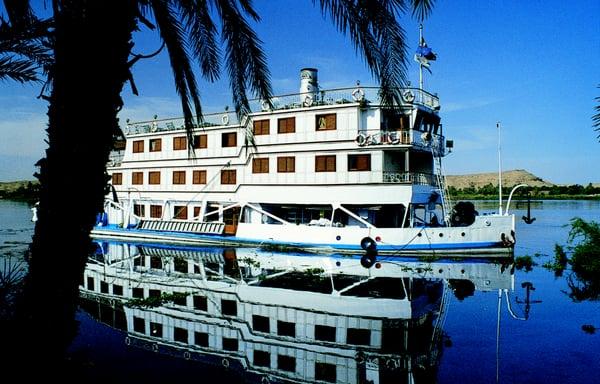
308 100
225 362
358 94
361 139
394 139
408 96
186 355
368 244
265 105
225 119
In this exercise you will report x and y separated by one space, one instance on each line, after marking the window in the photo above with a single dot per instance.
90 283
230 344
117 290
200 303
260 165
228 307
180 335
137 178
229 139
156 211
138 146
228 176
139 210
200 141
325 163
285 328
199 177
286 164
196 211
260 323
358 336
155 145
262 358
261 127
359 162
286 125
325 372
286 363
324 333
201 339
156 329
137 293
178 177
103 287
179 143
326 122
180 212
154 177
139 325
117 178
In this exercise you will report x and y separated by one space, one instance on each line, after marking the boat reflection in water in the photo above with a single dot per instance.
281 316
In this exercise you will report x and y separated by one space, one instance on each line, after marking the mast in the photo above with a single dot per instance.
499 172
420 63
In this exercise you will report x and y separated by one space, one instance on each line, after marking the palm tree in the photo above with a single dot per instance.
92 42
23 46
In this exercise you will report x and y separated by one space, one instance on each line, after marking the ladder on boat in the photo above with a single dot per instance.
441 182
209 228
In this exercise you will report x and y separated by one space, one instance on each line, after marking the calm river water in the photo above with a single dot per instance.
246 315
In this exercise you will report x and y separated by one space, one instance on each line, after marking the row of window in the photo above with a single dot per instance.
323 371
285 164
324 122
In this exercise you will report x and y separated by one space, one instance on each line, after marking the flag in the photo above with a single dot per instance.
424 54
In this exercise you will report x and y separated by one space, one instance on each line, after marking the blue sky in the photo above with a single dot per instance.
532 65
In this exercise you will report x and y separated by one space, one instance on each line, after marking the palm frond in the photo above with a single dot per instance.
202 35
19 13
245 59
17 69
173 34
376 34
421 9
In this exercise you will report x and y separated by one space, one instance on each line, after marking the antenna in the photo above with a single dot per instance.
499 172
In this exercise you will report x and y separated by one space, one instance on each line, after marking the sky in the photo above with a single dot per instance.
533 66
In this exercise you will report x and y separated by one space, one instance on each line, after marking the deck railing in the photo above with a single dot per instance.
409 178
356 95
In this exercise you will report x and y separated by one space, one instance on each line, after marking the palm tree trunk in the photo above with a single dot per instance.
92 45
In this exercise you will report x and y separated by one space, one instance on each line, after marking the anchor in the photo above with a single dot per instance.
528 219
528 287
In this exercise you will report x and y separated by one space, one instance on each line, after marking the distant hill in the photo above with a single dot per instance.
509 179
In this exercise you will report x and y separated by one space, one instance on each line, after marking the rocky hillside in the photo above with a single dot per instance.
509 179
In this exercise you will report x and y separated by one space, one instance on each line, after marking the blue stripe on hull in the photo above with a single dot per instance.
194 238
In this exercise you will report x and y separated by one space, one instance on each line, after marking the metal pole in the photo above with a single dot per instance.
499 172
420 65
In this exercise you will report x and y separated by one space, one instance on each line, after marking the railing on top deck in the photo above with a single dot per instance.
409 178
368 95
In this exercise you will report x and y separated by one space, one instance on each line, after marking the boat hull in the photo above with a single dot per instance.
493 234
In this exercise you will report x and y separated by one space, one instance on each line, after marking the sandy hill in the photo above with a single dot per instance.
509 179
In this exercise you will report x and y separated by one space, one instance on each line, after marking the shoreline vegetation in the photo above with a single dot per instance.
28 191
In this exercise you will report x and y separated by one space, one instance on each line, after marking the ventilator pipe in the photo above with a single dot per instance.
510 196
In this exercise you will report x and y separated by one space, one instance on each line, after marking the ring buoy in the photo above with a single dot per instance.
408 96
426 136
358 94
368 244
225 119
394 139
361 139
265 105
225 362
308 100
154 347
154 127
127 341
187 355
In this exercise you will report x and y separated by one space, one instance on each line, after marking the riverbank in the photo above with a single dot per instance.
22 190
